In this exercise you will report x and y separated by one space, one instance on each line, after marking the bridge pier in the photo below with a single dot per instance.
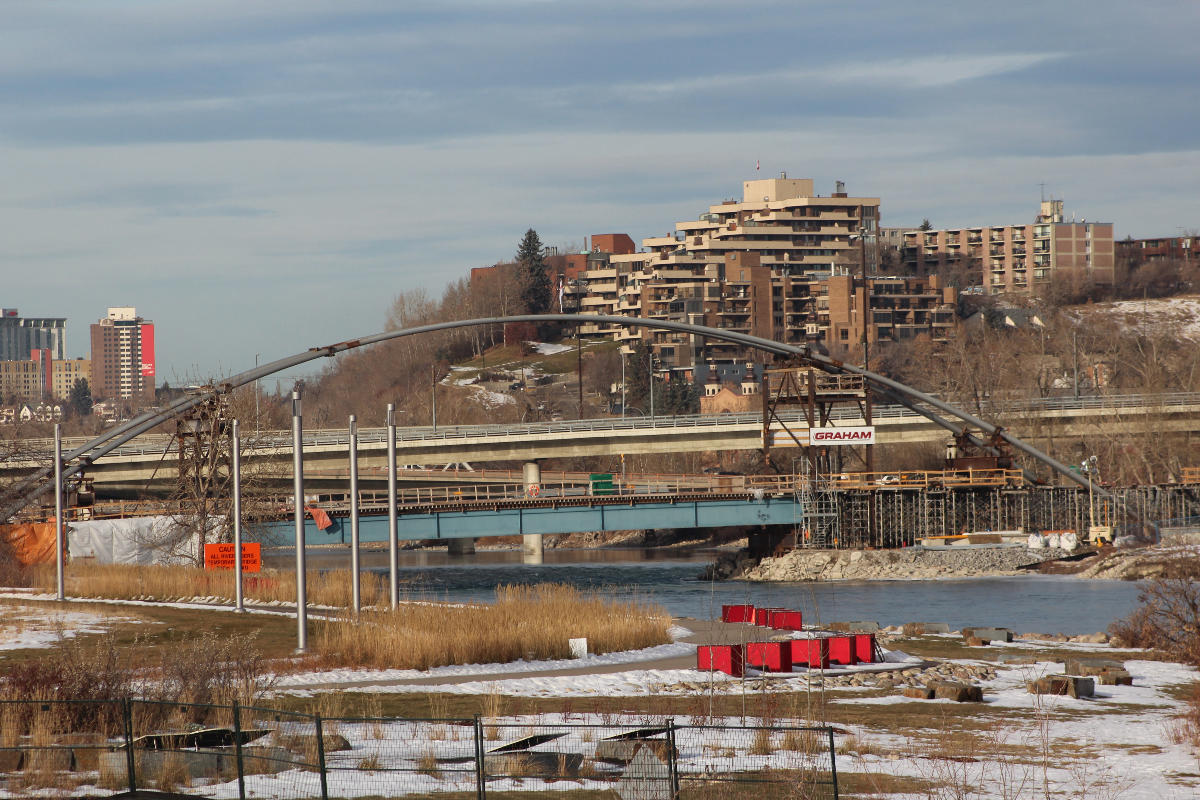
531 543
460 547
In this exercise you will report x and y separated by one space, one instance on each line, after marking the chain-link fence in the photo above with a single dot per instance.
97 749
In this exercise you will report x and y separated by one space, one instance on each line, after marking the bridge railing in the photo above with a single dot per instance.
925 479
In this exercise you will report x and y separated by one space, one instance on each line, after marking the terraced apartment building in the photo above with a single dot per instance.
1017 259
782 263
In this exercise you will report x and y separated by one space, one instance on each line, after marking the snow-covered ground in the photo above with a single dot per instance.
23 627
1177 316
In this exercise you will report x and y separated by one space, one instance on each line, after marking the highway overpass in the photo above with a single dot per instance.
151 456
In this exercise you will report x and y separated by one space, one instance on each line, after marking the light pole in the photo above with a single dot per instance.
256 355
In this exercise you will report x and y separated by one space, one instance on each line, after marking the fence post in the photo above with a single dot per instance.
321 757
480 771
237 749
130 762
672 766
833 763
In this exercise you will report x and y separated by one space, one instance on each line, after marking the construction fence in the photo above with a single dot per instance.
60 748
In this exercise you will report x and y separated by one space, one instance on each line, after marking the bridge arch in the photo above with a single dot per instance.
78 459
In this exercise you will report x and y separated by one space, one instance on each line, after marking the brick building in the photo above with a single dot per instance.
1017 259
123 362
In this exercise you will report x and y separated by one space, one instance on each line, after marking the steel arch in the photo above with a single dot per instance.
78 459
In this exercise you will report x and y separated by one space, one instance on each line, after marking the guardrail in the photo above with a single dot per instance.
158 444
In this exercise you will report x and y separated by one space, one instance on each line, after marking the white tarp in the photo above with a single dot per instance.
137 540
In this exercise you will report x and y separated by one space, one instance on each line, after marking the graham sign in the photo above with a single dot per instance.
818 437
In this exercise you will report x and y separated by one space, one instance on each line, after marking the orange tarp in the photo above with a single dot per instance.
32 542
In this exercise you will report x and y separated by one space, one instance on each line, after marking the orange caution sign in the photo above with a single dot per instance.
221 556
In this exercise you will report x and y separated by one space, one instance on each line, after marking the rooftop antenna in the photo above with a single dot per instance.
1043 185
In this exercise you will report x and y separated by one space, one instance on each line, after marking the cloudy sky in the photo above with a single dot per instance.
263 177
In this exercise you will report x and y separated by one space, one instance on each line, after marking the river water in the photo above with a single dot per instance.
1027 603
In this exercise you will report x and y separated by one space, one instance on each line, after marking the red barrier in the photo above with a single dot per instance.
841 650
864 647
727 658
743 612
762 616
812 652
786 620
770 656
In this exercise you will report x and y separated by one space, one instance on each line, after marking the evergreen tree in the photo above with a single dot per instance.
536 291
80 398
926 225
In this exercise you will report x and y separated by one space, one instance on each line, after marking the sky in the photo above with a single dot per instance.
261 178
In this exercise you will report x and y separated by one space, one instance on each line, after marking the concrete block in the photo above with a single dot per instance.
1115 677
922 628
267 760
863 626
1072 685
1090 666
975 641
958 692
991 634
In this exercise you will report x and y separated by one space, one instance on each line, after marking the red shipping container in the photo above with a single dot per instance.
841 650
813 652
743 612
762 616
770 656
787 620
727 658
864 647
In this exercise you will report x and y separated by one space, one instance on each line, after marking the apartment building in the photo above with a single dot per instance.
123 357
21 380
1017 259
65 373
783 264
20 336
1168 248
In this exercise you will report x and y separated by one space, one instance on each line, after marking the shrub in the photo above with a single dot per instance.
1167 618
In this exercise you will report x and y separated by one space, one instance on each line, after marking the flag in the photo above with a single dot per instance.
756 165
320 517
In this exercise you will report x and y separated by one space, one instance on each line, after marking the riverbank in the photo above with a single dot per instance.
911 563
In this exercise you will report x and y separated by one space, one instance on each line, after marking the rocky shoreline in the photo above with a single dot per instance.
912 563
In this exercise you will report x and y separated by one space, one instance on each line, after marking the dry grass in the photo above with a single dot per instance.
134 582
762 745
530 622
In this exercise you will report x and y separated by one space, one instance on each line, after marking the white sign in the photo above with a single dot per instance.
841 436
796 437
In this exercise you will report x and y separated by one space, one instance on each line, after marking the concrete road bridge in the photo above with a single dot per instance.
594 437
150 457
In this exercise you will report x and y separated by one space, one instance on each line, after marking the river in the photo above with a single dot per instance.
1027 603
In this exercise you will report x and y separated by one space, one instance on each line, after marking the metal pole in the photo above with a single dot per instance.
60 545
393 555
650 365
256 412
622 382
237 517
433 395
579 367
355 579
298 487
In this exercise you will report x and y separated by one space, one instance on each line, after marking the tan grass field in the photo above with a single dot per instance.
172 583
529 622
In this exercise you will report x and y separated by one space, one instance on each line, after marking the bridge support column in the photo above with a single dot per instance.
531 543
460 547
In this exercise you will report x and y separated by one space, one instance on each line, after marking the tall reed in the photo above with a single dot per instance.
168 583
525 622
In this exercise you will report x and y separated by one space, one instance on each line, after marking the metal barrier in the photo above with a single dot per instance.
60 748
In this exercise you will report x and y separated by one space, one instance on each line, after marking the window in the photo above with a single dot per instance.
843 334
